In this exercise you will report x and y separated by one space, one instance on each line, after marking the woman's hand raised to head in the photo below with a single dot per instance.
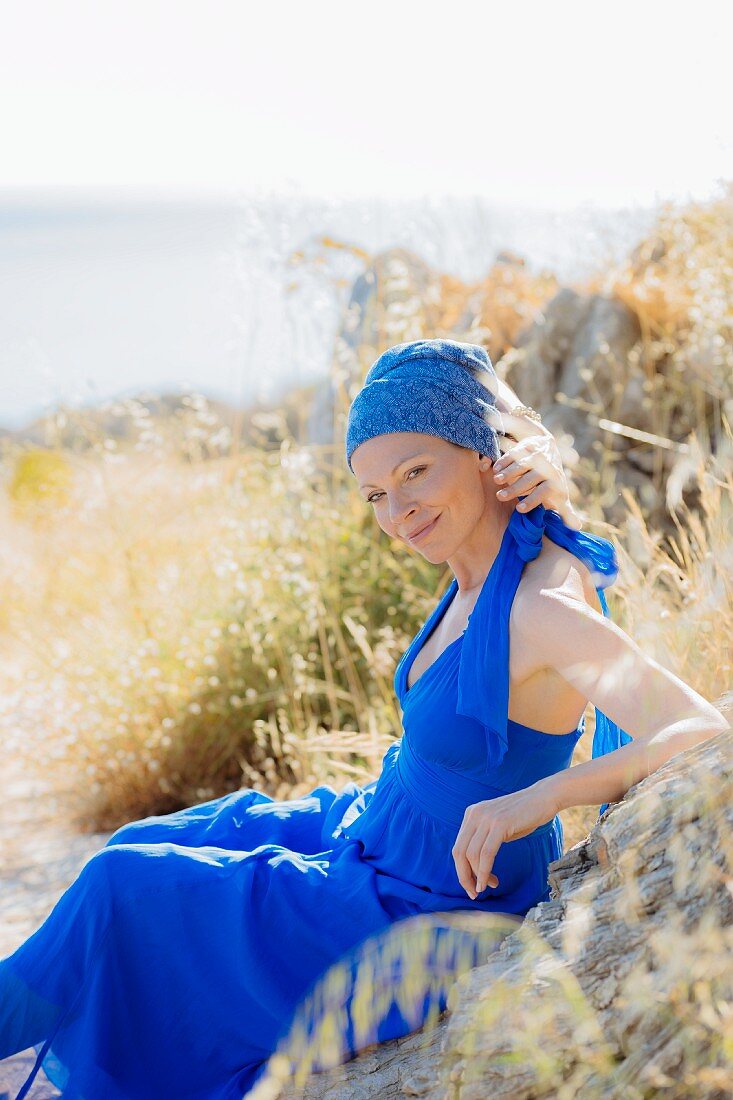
531 467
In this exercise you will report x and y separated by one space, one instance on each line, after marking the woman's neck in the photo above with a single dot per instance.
474 558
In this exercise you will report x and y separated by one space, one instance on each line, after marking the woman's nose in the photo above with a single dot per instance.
399 508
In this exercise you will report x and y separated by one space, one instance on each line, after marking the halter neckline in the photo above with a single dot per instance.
483 674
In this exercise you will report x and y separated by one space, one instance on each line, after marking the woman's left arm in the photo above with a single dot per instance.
663 714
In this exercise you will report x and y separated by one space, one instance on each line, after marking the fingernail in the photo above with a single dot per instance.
502 493
499 477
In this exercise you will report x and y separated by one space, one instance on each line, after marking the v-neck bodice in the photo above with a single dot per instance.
418 642
413 685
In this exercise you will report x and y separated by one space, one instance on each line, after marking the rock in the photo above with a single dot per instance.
578 348
620 986
578 364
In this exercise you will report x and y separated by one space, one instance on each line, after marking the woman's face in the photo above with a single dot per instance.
424 490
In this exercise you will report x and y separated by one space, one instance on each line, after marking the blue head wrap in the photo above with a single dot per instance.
430 386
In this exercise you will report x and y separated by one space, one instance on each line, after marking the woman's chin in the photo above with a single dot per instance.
435 557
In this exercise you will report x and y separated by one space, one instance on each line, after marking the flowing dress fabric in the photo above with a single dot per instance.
176 960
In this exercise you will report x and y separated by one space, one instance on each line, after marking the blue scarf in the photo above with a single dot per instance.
429 386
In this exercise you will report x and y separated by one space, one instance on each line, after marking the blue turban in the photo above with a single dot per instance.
430 386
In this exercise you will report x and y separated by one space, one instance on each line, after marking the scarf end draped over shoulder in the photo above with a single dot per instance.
483 678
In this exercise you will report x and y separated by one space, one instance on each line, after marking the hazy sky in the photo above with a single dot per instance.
546 104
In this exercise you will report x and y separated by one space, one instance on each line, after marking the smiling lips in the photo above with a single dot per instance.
423 531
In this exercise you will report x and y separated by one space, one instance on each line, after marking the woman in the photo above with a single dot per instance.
175 962
427 481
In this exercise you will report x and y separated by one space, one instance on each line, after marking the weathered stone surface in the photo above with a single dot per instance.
620 986
579 347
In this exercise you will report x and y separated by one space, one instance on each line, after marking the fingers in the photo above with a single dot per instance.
542 494
521 486
539 495
536 451
464 870
474 853
534 466
466 850
484 876
521 471
511 466
476 862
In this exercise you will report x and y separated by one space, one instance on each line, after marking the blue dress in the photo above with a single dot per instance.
176 961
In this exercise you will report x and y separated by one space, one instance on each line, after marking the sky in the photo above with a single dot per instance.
549 105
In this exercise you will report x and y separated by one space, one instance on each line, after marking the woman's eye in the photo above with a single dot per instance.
373 496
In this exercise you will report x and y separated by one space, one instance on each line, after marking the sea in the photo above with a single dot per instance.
106 294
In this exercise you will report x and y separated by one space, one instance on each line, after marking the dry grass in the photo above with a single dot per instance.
679 283
189 628
674 595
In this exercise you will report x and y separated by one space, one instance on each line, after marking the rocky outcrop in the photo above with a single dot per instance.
620 986
579 365
580 348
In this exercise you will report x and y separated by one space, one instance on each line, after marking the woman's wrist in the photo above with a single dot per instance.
556 790
548 792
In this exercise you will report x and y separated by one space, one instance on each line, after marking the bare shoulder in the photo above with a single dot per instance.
554 571
555 579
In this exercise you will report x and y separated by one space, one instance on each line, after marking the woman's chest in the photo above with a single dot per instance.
431 651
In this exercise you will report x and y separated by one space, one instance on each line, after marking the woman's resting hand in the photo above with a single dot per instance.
532 468
487 825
